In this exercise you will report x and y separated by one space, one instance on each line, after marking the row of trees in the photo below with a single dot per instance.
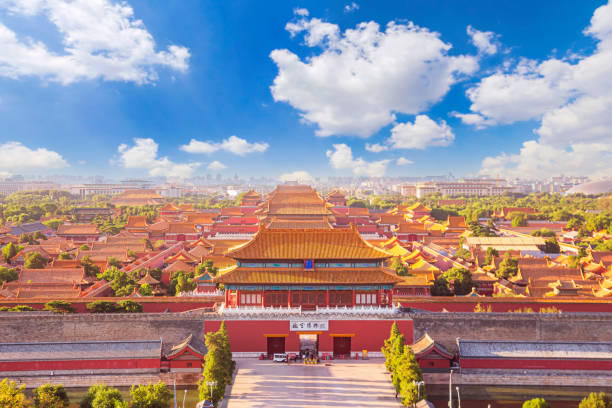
218 366
593 400
98 396
98 306
400 361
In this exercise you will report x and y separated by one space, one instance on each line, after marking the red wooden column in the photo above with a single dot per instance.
263 298
238 298
227 291
390 292
327 298
289 298
353 299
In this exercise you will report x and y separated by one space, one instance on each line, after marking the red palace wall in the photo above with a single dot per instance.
438 304
153 363
250 336
534 364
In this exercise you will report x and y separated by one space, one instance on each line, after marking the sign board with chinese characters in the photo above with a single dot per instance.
309 325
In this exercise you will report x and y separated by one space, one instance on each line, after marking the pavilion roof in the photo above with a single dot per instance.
77 229
285 223
169 207
422 265
200 218
426 344
189 343
148 279
252 194
52 275
297 276
178 266
408 228
181 228
456 221
418 207
136 221
307 244
336 194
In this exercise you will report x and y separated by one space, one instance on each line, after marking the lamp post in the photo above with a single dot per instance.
458 398
184 398
211 384
450 389
418 384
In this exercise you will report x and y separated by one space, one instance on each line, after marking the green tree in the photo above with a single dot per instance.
129 306
39 235
457 281
508 267
114 262
399 267
536 403
22 308
34 260
50 396
388 343
519 220
65 255
84 247
145 290
10 250
11 395
596 400
102 396
543 232
552 246
217 368
102 306
8 274
491 254
90 268
53 224
150 396
59 306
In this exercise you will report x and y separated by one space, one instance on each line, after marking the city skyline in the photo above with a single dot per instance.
305 90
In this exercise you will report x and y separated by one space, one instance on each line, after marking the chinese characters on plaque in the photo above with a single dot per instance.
308 325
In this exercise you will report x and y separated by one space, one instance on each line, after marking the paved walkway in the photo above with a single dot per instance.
343 384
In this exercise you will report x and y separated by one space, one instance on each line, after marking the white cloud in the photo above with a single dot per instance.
541 160
423 133
526 93
483 40
376 147
573 102
402 161
300 12
233 144
300 176
100 39
143 155
342 158
14 155
216 166
363 76
351 7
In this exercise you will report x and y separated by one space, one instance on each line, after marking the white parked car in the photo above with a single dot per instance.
280 358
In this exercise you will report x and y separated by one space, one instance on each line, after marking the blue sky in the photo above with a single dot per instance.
187 88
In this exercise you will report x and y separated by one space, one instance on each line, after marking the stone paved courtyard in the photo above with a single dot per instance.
343 384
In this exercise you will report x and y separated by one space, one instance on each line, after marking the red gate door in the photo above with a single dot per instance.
276 345
342 346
